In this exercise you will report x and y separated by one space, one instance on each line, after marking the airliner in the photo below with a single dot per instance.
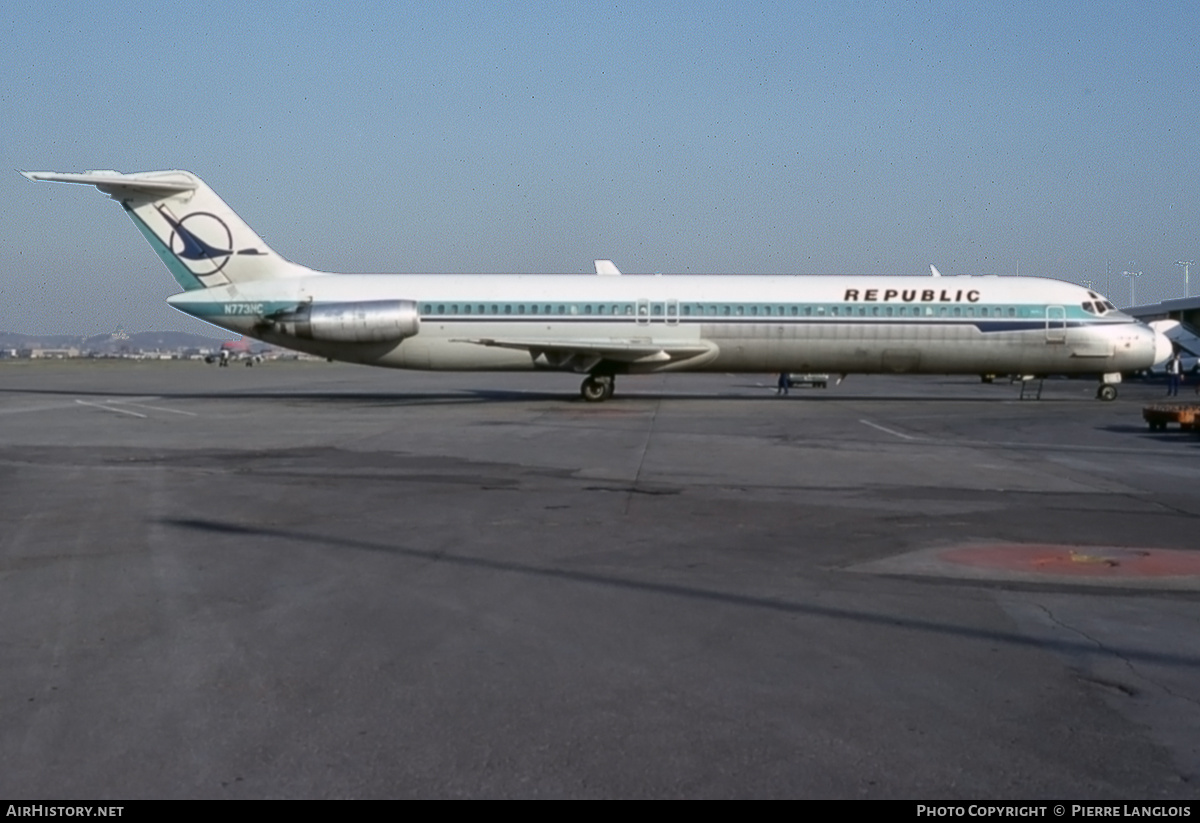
607 324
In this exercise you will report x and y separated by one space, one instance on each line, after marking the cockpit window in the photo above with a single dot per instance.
1100 307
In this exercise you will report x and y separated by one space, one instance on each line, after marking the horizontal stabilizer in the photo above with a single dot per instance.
154 184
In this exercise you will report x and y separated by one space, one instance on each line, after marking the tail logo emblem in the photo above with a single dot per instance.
200 239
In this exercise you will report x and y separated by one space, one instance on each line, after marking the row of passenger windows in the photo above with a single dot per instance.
645 310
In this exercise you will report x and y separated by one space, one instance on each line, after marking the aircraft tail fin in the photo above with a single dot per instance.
201 240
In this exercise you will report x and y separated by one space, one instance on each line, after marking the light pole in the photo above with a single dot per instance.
1132 275
1187 289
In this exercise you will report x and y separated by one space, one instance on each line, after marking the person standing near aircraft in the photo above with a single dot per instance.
782 386
1174 373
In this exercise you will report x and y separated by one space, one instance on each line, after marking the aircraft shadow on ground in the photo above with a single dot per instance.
1086 647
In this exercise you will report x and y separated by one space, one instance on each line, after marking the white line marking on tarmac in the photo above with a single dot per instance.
888 431
155 408
48 407
107 407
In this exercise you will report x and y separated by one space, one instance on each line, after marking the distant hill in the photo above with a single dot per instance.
137 341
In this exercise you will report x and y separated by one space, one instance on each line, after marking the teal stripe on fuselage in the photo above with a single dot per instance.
211 309
987 318
675 311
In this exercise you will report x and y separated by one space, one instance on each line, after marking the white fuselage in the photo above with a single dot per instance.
747 323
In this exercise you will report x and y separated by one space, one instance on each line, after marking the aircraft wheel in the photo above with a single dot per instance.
1106 393
596 389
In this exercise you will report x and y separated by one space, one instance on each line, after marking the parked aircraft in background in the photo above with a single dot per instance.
1180 336
1183 341
233 351
606 324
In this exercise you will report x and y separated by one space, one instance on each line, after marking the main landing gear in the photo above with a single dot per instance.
597 387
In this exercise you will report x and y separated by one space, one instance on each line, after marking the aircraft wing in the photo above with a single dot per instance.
584 355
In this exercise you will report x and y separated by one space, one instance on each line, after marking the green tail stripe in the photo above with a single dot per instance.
180 272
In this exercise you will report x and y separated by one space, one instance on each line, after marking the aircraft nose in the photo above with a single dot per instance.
1162 347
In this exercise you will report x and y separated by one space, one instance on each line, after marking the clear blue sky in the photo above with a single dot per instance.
1044 138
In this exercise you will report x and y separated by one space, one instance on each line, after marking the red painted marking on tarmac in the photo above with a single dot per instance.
1080 561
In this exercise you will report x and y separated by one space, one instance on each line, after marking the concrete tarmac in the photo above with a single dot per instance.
317 580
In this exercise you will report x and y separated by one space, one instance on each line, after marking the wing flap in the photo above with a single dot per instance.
583 355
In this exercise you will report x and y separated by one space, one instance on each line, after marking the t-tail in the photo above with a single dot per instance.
202 241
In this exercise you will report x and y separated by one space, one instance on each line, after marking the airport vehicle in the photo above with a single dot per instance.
607 324
817 381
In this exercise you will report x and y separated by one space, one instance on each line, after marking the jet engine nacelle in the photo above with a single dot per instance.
367 321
